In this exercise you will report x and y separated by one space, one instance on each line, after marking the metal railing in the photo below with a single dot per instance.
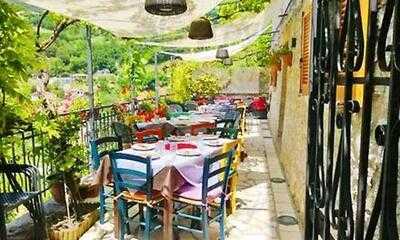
330 211
28 145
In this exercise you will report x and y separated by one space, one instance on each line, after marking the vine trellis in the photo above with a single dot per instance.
339 50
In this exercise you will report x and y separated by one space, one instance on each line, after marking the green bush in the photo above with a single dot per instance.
205 85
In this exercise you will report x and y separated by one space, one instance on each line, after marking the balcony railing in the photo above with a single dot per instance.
28 145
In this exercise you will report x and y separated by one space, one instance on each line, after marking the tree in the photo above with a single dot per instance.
17 60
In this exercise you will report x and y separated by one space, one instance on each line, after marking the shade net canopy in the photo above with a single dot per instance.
209 55
232 33
251 28
129 19
126 18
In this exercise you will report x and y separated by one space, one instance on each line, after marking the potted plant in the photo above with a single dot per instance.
66 158
286 55
146 111
274 61
68 166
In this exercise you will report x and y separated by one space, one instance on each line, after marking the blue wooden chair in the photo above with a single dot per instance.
133 181
99 149
191 106
123 131
211 195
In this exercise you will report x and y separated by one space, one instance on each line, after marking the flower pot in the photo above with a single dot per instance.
274 75
287 59
75 232
89 191
57 191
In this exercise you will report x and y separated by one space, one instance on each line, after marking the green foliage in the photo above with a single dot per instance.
181 75
184 85
67 156
257 54
17 60
133 72
230 10
67 153
205 85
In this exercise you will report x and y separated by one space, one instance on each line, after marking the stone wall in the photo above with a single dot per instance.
288 115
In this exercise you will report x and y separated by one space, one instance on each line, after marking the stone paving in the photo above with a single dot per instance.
259 200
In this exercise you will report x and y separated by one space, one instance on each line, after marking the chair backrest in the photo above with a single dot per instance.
191 106
102 147
195 129
140 135
122 131
230 133
132 172
175 108
215 174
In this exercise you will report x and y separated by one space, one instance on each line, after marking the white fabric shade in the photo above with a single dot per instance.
126 18
234 32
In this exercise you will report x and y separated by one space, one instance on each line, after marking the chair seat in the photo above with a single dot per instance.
194 193
150 139
140 196
12 200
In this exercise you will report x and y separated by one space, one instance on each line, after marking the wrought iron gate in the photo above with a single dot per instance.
339 50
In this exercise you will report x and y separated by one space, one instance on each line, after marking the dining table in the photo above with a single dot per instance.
173 168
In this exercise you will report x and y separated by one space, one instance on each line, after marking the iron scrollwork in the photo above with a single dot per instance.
338 52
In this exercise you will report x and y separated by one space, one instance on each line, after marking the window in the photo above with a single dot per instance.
305 53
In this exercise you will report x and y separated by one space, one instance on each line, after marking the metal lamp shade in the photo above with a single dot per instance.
201 29
222 53
228 61
166 7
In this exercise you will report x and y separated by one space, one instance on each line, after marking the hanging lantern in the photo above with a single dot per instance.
166 7
176 58
201 29
222 53
228 61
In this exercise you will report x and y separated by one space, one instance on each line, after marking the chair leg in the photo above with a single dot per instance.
147 219
102 204
3 230
233 189
222 222
39 219
141 215
204 222
122 219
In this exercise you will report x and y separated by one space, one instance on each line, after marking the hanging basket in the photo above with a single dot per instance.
201 29
166 7
287 59
274 75
222 53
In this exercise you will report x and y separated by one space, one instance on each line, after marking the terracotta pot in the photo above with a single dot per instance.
287 59
57 191
88 191
274 76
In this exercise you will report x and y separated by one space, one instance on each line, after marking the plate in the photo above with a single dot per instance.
188 152
143 147
153 155
177 139
183 118
210 137
214 143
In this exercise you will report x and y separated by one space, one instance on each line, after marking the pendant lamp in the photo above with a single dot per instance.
166 7
201 29
228 61
222 53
